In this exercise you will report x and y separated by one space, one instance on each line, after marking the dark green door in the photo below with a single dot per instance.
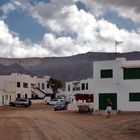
103 99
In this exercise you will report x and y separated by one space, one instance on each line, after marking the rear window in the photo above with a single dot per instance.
54 100
24 100
60 103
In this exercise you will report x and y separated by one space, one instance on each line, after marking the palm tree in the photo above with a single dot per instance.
54 84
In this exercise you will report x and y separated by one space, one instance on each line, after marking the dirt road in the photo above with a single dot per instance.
40 122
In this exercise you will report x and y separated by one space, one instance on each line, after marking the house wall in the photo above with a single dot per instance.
9 86
78 84
22 78
70 94
116 84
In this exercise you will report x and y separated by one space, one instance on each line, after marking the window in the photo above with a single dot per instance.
10 97
83 86
68 87
18 95
26 96
108 73
134 97
86 86
131 73
6 97
43 86
33 85
38 85
25 85
18 84
48 86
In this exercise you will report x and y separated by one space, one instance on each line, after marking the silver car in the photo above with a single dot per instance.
21 102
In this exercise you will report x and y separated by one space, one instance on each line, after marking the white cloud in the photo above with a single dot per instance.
89 33
12 46
59 46
125 8
6 37
7 8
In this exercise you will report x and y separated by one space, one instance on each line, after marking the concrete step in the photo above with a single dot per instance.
103 112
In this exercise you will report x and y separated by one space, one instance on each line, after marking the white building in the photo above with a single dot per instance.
118 80
79 87
19 85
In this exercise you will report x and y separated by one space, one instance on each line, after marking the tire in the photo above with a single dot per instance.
23 105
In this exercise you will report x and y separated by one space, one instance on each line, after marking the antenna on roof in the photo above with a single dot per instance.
116 44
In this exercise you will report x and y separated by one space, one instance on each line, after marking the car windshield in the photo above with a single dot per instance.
59 103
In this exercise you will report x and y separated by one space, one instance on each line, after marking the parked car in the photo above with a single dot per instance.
21 102
52 101
46 99
60 106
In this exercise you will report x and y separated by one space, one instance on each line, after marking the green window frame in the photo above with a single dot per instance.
131 73
134 97
106 73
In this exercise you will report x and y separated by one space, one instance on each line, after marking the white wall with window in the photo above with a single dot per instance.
120 77
82 86
117 79
20 85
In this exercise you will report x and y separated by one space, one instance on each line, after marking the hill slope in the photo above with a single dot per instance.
63 68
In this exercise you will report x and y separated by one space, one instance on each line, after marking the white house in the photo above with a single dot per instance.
79 87
19 85
118 80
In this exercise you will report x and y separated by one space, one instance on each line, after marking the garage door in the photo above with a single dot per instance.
103 99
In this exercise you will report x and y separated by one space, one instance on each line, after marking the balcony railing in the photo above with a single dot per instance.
76 88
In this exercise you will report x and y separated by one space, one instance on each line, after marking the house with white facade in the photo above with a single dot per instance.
19 85
118 80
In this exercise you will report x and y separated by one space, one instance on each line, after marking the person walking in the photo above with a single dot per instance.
109 108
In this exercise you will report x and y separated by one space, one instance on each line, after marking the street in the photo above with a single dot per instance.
40 122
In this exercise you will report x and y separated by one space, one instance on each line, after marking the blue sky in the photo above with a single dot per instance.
42 28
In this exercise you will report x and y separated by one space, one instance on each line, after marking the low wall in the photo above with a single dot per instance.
73 107
37 101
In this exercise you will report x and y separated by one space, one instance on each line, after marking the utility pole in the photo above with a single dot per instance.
116 44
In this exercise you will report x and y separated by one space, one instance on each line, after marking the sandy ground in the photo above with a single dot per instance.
40 122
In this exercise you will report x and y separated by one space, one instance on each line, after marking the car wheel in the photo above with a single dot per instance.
24 105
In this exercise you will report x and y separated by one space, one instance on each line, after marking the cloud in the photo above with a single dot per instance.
124 3
125 8
7 8
12 46
72 31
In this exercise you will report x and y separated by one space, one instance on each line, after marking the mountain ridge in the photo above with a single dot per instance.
68 68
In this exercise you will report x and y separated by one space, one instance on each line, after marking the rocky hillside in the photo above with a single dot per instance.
63 68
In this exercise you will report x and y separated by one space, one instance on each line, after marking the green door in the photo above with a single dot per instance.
103 99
